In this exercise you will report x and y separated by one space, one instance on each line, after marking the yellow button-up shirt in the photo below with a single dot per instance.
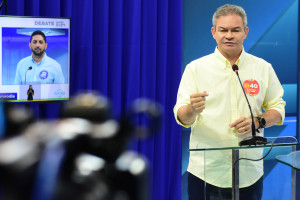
226 103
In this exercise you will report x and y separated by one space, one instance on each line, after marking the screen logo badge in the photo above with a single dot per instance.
43 75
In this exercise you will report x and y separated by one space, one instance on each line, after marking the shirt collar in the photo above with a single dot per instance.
43 60
225 62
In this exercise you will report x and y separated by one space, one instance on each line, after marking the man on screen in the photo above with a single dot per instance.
38 67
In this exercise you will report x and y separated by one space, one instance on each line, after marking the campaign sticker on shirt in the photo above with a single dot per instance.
43 74
251 87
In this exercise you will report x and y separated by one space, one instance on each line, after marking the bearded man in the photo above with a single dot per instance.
38 68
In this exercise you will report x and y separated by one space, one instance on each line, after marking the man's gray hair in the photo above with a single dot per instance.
227 10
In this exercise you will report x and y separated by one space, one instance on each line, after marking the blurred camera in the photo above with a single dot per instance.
82 155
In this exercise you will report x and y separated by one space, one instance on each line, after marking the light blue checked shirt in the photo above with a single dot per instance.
48 71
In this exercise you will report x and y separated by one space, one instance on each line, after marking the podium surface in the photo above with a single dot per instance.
292 159
244 165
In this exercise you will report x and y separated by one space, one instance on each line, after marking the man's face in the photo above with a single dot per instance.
38 45
229 34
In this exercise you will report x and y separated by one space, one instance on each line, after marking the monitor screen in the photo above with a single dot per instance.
34 59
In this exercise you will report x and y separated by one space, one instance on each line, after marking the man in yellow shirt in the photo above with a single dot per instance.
211 102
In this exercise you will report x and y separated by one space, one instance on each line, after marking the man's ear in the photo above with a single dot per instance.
213 31
246 32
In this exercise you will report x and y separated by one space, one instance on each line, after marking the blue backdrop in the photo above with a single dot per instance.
125 49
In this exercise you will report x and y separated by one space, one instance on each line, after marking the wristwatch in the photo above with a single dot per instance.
262 122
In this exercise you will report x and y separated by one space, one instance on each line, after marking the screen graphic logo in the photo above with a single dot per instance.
60 93
8 96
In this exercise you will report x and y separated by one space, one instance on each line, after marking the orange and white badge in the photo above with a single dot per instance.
251 87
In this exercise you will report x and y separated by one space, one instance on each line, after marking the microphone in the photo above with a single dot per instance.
254 139
29 68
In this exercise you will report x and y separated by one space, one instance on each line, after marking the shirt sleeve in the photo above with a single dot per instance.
186 88
273 99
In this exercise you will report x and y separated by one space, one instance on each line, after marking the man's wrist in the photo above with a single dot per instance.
261 122
256 123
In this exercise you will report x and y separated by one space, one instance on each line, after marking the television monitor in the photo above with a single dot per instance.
49 77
